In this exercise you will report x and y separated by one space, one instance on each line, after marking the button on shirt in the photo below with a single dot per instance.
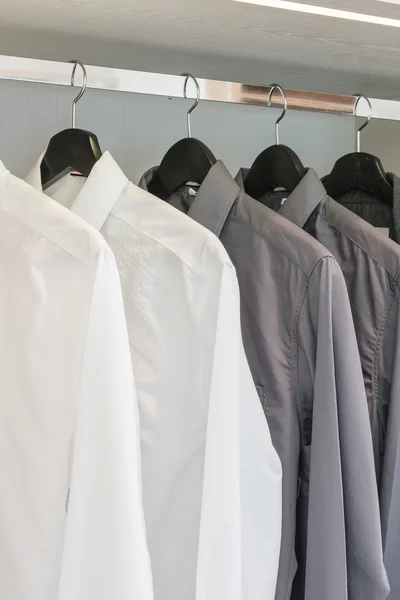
71 516
211 477
300 341
371 266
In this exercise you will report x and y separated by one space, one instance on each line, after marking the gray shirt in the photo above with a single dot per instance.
371 266
299 338
380 325
375 211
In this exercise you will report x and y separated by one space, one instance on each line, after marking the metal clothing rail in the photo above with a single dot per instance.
106 78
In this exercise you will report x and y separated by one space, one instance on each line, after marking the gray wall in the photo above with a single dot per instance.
382 138
138 129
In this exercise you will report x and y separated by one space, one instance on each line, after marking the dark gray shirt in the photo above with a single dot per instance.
299 338
375 211
371 266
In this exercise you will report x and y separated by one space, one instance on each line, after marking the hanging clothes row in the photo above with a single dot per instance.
200 395
211 478
301 344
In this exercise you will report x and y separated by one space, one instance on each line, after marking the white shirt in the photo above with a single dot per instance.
211 477
71 520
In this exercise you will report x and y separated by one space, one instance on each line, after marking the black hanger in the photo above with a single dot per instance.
277 166
71 149
360 171
189 160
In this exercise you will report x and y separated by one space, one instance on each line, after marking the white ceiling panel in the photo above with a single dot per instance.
214 38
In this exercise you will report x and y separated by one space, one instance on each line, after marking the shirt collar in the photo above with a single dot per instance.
214 199
304 199
241 177
99 193
147 178
34 177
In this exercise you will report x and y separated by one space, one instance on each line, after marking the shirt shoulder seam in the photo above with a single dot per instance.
299 402
330 256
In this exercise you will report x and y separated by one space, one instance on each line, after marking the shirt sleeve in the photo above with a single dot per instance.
390 479
105 552
240 528
344 550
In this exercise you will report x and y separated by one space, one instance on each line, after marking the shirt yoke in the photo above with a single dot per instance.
278 232
381 249
51 220
189 241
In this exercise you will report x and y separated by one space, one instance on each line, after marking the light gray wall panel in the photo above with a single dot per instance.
139 129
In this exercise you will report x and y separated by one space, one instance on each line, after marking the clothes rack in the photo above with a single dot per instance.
158 84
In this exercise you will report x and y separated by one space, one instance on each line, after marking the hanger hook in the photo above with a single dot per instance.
79 96
191 109
359 96
275 86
